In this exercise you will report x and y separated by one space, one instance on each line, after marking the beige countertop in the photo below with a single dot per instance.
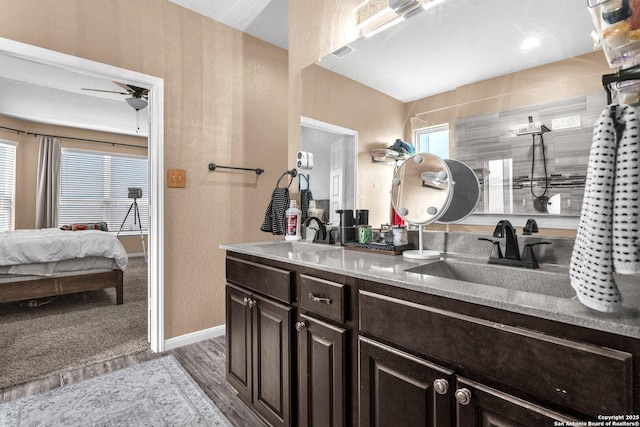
392 270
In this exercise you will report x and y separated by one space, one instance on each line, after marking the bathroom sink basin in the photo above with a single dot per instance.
543 282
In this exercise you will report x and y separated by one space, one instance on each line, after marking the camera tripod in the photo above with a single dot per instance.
136 220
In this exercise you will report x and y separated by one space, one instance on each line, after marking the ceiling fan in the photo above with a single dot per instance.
139 95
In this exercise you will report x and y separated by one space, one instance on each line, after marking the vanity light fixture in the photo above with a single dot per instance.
400 6
369 11
381 28
429 4
404 9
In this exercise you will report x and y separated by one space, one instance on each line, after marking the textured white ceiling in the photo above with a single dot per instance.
458 42
265 19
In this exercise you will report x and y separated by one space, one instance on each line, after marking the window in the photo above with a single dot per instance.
94 186
7 184
434 140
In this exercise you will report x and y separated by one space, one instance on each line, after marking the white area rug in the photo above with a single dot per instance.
154 393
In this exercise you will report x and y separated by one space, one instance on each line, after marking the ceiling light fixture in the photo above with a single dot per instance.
137 103
370 11
429 4
530 43
400 6
383 27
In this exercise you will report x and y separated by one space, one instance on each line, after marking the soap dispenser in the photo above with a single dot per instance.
293 215
312 211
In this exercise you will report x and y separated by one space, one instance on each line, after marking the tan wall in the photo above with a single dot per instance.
27 162
225 102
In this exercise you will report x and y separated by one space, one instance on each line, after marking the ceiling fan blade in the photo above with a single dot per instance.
107 91
135 91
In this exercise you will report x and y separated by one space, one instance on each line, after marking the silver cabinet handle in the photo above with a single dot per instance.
316 298
463 396
250 302
441 386
300 326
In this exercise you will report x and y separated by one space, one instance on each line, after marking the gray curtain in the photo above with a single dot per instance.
48 182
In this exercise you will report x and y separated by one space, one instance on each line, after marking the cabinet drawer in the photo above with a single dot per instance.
322 297
270 281
590 379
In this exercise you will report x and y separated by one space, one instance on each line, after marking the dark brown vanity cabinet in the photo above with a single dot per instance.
259 353
324 352
496 373
397 388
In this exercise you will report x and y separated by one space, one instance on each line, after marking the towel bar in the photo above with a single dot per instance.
213 166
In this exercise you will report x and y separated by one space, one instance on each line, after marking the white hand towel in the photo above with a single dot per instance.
608 238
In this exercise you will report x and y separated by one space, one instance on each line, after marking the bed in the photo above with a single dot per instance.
49 262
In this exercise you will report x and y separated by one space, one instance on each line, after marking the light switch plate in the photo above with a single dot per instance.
176 178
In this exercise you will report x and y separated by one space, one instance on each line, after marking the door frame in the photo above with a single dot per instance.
307 122
155 272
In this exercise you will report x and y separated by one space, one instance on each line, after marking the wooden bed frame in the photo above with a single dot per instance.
53 286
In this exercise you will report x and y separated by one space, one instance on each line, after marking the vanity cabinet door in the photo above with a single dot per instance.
272 360
321 373
259 353
479 406
398 389
239 347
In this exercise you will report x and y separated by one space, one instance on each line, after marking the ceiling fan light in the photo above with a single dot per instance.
137 103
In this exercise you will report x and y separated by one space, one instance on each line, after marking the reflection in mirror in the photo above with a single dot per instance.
426 189
332 180
484 67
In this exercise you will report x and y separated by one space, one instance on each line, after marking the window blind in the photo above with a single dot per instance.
7 184
94 187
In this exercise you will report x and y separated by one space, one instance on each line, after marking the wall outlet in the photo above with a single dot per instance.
176 178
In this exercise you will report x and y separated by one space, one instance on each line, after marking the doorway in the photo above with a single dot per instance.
155 272
333 179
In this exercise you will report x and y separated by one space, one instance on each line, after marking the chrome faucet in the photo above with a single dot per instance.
506 230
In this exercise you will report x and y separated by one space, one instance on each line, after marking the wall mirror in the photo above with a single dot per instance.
459 42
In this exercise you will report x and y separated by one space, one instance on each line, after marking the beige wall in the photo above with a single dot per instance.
226 100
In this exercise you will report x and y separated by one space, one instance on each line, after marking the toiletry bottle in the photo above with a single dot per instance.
293 215
312 211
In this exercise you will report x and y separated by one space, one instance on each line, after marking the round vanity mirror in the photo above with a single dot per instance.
466 193
427 189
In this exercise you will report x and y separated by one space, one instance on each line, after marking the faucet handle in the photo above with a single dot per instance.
496 252
530 227
529 257
499 231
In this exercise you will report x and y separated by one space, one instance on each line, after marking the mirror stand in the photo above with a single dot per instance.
420 253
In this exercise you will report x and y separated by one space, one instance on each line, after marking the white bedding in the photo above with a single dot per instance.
50 245
57 268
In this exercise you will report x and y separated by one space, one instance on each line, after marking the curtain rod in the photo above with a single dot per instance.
18 131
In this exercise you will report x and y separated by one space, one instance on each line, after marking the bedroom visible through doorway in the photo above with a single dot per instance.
153 273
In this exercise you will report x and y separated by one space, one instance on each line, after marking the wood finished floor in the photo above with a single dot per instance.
205 362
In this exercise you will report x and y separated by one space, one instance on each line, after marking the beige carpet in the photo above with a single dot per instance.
73 331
